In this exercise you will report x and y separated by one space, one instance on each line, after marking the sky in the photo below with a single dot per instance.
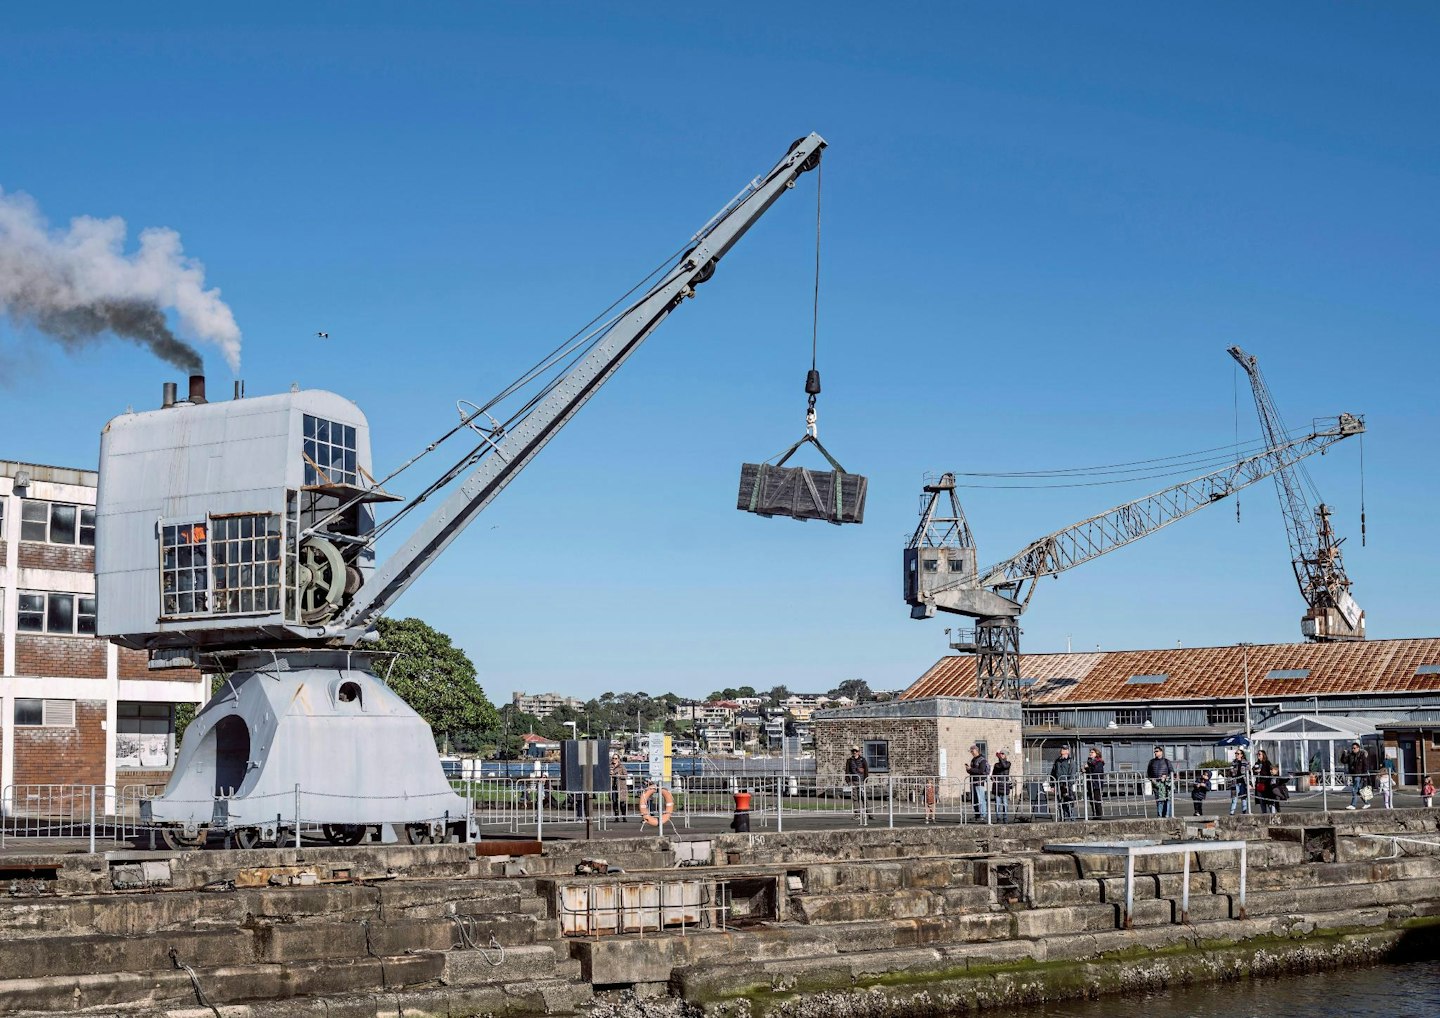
1042 226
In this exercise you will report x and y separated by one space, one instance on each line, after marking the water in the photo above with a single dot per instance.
1385 991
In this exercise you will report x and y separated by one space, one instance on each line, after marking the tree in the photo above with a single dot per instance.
779 694
435 678
856 689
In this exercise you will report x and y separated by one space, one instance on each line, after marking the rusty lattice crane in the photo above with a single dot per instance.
940 558
1332 614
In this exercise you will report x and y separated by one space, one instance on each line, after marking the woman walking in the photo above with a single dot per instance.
1265 782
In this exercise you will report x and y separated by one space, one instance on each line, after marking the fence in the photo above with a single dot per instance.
104 814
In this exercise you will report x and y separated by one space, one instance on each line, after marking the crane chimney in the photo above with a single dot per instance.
167 395
197 389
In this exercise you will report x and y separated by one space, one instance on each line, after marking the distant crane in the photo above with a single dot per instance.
1333 614
940 557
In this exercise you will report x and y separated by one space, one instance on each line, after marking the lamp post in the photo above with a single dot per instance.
1249 742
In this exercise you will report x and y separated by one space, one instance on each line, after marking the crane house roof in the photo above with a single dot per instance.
1190 673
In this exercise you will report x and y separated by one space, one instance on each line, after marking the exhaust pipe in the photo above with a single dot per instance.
167 395
197 389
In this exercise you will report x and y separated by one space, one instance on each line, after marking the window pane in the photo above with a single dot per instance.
63 519
61 618
87 527
31 613
34 520
29 712
85 616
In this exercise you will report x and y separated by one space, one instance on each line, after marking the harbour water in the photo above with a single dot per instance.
1385 991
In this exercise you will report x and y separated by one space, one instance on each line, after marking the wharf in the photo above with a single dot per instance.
875 921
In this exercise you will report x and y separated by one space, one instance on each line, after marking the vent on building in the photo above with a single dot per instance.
58 714
1146 680
1288 673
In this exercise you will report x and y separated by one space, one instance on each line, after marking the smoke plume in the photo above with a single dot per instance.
77 285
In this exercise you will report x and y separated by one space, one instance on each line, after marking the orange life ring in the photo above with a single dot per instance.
669 808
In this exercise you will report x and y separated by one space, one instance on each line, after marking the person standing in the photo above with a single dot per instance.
856 773
979 770
1062 774
1265 782
1240 783
1000 775
1198 791
619 790
1387 787
931 794
1428 791
1357 769
1159 772
1094 769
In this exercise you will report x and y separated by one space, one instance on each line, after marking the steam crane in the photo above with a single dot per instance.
940 558
239 537
1333 614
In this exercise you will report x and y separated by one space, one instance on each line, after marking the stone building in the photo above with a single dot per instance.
1304 703
73 709
917 737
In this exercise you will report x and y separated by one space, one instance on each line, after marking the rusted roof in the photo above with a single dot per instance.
1276 669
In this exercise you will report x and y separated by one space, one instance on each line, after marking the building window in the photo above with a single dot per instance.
1225 715
329 452
60 614
957 565
932 565
44 522
1044 717
876 753
35 713
1132 716
144 734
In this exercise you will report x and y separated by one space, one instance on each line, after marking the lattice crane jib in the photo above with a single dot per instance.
998 595
1332 613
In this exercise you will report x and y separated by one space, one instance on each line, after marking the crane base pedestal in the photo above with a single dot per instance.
309 738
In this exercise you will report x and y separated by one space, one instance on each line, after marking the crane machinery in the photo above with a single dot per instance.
239 537
1332 614
940 560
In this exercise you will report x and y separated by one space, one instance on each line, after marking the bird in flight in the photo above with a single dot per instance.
322 335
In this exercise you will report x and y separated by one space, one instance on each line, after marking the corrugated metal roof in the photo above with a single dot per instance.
1367 666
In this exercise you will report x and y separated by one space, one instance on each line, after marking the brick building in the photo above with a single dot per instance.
73 709
916 738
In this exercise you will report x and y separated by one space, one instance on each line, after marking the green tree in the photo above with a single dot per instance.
856 689
435 678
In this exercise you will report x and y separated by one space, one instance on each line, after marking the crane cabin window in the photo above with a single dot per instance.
227 565
329 452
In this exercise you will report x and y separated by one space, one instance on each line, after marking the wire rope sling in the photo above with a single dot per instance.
773 489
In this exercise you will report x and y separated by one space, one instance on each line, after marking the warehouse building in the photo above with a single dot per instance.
73 709
1305 703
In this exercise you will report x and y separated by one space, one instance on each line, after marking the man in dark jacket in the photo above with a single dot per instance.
1095 784
1000 781
856 772
1357 766
1062 774
979 770
1161 774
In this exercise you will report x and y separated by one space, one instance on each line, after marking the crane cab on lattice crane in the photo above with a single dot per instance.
929 569
234 523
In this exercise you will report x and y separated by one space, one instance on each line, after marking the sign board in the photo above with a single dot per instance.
661 752
944 764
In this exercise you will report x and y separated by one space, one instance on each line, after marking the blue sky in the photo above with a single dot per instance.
1043 225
